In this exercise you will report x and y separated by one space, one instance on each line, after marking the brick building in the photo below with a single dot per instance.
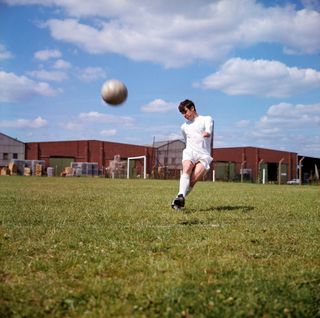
253 164
60 154
230 164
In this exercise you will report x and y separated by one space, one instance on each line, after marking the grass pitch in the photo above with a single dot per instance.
94 247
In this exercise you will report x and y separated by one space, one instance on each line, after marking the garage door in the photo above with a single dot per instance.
59 164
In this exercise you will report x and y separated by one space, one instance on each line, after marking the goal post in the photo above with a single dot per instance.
133 159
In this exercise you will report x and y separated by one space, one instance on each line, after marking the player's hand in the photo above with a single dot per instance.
205 134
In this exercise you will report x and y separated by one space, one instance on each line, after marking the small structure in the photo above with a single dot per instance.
117 168
10 148
168 159
308 169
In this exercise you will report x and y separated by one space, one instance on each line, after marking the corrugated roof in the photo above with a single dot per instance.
159 144
15 139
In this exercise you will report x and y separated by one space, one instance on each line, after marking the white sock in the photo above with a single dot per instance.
189 190
184 184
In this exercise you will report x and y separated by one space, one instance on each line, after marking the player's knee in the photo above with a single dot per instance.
187 170
187 166
197 176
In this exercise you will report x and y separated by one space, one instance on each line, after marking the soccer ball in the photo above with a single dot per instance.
114 92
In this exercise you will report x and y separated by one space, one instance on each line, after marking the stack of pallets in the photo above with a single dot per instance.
38 171
27 172
69 171
13 168
5 171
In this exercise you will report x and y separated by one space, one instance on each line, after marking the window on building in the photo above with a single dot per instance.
15 156
5 156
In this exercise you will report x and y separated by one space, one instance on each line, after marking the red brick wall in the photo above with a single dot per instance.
253 155
101 152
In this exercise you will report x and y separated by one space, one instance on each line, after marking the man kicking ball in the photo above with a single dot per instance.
196 157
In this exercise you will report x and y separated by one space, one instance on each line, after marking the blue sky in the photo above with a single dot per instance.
254 66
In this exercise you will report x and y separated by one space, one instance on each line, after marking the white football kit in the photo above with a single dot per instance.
198 148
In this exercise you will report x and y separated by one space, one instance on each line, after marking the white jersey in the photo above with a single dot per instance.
192 132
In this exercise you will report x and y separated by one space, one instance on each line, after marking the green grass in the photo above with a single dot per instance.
94 247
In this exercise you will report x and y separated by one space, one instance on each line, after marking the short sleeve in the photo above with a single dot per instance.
208 124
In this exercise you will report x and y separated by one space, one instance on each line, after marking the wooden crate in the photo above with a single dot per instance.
38 171
27 172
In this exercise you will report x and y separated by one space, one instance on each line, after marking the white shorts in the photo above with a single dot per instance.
195 157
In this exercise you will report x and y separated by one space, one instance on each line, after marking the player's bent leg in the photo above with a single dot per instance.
198 172
187 167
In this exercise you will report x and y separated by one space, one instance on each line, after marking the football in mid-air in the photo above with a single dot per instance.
114 92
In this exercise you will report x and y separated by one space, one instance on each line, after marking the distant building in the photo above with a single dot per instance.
163 159
310 168
251 164
60 154
254 164
10 148
168 157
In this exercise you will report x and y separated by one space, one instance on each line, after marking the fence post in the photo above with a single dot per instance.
279 171
300 170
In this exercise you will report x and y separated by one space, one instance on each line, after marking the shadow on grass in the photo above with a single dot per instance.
243 208
222 208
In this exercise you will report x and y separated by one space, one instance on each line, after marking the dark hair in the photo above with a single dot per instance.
186 104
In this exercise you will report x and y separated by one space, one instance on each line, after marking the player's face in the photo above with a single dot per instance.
189 114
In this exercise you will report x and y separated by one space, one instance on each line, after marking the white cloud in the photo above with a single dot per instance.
106 118
158 106
288 116
267 133
4 53
243 123
14 88
104 124
261 77
108 132
176 35
62 65
72 125
45 55
56 76
24 123
91 73
283 126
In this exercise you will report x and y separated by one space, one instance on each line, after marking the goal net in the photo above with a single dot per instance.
137 167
